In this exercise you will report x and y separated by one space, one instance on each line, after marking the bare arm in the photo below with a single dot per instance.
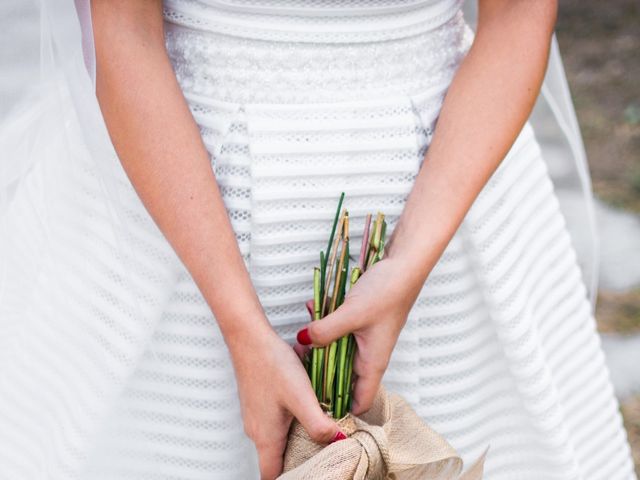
486 106
161 150
159 145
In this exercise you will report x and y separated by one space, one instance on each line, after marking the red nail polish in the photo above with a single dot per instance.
339 436
303 337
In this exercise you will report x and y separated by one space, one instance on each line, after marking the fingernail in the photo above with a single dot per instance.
338 436
303 337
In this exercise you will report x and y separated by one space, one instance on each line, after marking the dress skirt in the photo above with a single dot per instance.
500 348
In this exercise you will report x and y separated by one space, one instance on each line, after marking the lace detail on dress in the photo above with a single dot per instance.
250 70
321 6
352 23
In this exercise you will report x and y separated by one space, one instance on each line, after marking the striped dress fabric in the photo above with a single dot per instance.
297 101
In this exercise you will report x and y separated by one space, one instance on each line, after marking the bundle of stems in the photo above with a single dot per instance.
330 368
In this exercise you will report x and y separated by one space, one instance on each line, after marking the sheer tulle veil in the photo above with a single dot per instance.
58 131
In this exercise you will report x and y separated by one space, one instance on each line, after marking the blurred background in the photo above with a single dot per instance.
600 45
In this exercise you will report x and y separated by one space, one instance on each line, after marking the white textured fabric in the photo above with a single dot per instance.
99 382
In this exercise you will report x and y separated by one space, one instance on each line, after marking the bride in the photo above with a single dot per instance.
166 191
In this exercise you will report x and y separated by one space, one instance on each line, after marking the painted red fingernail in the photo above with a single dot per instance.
339 436
303 337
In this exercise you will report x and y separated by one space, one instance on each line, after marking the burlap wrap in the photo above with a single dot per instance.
390 441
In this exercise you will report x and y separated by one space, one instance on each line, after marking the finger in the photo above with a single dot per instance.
366 386
310 304
270 457
310 307
345 319
320 427
301 350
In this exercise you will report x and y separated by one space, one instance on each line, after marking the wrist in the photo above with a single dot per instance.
414 259
246 331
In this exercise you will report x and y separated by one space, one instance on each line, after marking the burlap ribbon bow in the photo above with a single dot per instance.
390 441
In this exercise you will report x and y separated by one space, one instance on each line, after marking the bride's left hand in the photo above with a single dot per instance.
375 310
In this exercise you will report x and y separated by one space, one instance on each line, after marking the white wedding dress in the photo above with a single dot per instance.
112 365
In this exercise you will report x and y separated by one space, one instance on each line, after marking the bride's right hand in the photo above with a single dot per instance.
274 387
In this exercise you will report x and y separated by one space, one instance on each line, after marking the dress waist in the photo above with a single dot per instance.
316 21
215 55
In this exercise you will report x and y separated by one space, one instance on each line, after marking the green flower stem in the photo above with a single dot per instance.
331 263
371 244
374 244
317 292
383 232
342 291
344 253
314 371
377 233
351 350
335 222
330 368
319 352
323 270
365 241
342 349
355 274
342 342
338 411
329 359
330 374
333 251
317 276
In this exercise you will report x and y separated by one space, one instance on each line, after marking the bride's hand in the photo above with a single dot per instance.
375 310
274 387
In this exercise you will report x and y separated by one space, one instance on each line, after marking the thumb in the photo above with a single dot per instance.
320 427
342 321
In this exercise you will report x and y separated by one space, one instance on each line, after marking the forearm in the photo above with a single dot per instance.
159 145
486 106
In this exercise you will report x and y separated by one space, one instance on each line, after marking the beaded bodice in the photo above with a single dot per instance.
314 20
289 51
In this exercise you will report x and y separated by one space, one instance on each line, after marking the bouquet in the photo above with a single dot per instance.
390 440
330 368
